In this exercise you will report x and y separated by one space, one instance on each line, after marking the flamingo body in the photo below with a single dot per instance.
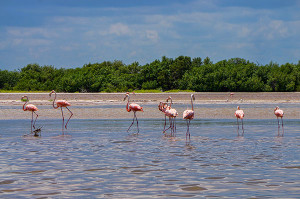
62 103
134 107
30 107
279 113
239 114
188 114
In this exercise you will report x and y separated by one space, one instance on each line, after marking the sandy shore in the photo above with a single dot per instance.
110 105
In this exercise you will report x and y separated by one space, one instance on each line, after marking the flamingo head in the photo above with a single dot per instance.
193 96
24 99
238 107
169 98
53 91
276 108
126 95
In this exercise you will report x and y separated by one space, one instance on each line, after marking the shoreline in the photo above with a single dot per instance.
112 106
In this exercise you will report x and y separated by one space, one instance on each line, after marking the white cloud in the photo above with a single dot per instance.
119 29
152 35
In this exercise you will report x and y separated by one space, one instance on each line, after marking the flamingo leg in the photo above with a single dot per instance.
242 126
35 118
62 113
278 127
31 121
132 122
137 122
238 127
69 117
170 120
175 125
165 123
189 129
282 127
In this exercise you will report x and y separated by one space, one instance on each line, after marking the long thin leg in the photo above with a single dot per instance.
69 117
170 120
165 123
282 127
137 122
175 125
31 121
189 130
132 122
35 119
243 127
278 126
62 113
238 126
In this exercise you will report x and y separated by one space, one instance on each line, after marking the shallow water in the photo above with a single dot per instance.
99 159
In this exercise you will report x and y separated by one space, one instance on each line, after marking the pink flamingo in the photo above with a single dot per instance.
239 114
188 115
32 108
61 104
279 113
172 114
161 107
133 107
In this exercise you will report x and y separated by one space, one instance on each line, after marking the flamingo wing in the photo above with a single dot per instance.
188 114
279 113
31 107
135 107
239 114
62 103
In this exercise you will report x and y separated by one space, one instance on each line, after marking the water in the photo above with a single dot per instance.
99 159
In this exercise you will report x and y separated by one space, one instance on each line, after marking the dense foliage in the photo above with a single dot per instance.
181 73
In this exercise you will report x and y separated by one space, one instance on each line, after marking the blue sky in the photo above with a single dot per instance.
71 33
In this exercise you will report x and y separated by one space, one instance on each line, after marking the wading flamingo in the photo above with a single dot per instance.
239 114
172 114
132 107
32 108
188 115
161 107
61 104
279 113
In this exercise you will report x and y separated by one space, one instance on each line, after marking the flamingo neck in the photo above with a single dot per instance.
24 109
54 101
192 103
127 106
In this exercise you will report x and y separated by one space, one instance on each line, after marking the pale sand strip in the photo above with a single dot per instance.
10 101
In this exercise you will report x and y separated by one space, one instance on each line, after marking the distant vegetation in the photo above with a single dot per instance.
181 73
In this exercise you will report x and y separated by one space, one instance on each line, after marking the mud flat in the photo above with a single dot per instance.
111 105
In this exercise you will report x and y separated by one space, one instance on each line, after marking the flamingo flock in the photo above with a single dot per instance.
164 107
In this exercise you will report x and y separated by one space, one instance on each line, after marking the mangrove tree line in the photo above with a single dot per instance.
183 73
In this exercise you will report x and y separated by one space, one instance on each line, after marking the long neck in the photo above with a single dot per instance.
192 103
127 106
25 104
54 101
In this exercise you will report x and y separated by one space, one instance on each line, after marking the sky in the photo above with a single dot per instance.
72 33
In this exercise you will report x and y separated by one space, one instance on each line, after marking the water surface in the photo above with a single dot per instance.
99 159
